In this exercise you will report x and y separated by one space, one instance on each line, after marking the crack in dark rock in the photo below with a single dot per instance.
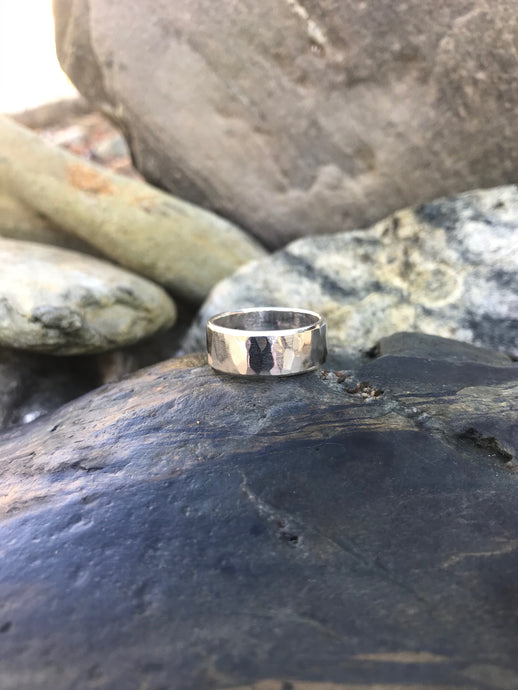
489 443
285 524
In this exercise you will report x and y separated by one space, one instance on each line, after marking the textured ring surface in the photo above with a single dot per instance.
266 341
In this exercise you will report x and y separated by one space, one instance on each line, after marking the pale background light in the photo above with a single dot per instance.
30 74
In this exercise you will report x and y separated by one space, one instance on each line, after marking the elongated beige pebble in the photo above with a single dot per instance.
177 244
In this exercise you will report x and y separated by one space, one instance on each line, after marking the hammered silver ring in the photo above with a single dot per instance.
266 341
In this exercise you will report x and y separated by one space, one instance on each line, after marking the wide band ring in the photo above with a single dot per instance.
266 341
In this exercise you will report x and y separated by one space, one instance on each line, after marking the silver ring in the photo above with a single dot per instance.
266 341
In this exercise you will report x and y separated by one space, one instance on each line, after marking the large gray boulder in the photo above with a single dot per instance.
336 530
448 268
295 117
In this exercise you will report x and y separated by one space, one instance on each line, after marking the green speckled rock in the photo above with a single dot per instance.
447 268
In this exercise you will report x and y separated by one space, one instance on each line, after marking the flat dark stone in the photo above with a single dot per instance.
435 347
181 529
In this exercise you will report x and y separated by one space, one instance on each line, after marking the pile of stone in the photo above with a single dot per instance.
92 260
351 527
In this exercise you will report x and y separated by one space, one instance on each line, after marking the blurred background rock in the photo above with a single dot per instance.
303 118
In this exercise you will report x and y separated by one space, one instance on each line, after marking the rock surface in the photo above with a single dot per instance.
34 385
295 117
61 302
184 530
21 223
448 268
176 244
71 125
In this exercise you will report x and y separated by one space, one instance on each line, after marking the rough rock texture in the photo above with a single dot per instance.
188 531
178 245
292 117
33 385
448 268
61 302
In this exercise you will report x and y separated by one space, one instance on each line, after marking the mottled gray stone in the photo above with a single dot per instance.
58 301
448 268
295 117
340 529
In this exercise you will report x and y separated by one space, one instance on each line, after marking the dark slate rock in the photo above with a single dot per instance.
186 530
435 347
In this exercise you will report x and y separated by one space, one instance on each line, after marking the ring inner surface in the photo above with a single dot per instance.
267 320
